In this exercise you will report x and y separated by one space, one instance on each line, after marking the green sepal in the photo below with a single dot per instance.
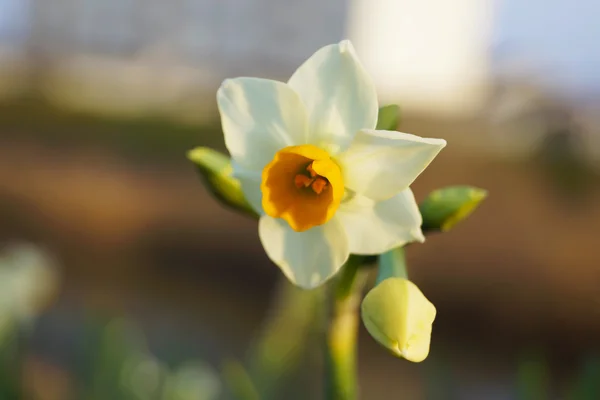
446 207
216 170
388 118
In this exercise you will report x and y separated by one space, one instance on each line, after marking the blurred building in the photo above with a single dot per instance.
429 55
465 59
158 48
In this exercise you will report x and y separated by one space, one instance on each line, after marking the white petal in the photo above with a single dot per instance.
339 95
380 164
376 227
260 117
250 183
308 258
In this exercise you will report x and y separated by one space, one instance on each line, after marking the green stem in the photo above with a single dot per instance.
342 332
281 345
392 264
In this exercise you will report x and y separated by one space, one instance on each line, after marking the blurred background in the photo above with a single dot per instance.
121 278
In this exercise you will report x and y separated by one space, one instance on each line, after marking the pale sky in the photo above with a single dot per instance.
13 19
560 39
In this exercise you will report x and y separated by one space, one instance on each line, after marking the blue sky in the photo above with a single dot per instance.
13 18
560 37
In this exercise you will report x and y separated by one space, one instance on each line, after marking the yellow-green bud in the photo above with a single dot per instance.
446 207
216 172
399 317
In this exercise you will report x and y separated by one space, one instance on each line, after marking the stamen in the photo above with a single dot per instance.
303 186
319 185
315 181
312 172
301 181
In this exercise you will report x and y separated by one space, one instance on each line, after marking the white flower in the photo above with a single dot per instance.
311 163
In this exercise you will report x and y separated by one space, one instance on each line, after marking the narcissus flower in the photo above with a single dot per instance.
399 317
311 163
28 282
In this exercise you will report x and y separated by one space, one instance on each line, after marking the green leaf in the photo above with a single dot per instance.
109 354
215 169
533 377
281 345
239 381
587 382
446 207
388 118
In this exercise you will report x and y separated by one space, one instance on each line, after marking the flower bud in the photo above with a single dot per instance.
216 172
446 207
399 317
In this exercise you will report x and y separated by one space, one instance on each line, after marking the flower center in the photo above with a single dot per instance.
311 179
302 185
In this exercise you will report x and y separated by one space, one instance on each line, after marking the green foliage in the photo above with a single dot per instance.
587 383
215 170
446 207
239 382
280 346
12 356
118 365
388 118
142 138
191 381
111 353
533 377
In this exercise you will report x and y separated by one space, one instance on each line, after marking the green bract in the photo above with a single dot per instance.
388 118
446 207
215 169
